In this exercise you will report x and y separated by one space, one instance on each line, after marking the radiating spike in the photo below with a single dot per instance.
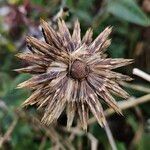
98 42
63 29
50 35
75 93
39 45
87 39
84 115
34 59
82 92
38 79
100 88
56 106
78 53
44 101
105 73
110 63
64 32
70 88
116 89
43 47
31 69
110 101
60 80
95 82
57 66
104 46
71 108
53 103
95 105
32 99
54 114
119 62
76 37
80 112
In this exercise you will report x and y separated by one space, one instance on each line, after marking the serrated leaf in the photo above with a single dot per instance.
129 11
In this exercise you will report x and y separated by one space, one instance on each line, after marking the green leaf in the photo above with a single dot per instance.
144 144
129 11
5 81
20 78
121 146
84 16
14 97
39 2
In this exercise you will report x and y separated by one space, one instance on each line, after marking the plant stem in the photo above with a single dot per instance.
110 137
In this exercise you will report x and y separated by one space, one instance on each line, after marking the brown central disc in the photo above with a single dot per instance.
79 70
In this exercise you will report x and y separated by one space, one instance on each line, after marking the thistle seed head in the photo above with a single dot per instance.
72 72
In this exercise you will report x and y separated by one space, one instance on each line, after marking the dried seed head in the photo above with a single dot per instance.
79 70
77 87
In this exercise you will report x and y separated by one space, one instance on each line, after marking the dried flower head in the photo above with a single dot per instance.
72 73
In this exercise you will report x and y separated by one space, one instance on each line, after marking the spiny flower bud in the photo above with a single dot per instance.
72 73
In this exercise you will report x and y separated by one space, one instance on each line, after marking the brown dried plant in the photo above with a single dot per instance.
72 73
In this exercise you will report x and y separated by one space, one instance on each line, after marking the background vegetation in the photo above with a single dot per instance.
21 129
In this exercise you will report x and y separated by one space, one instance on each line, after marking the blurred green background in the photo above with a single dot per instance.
20 129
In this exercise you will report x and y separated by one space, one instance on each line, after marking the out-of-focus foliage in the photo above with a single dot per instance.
128 10
130 39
